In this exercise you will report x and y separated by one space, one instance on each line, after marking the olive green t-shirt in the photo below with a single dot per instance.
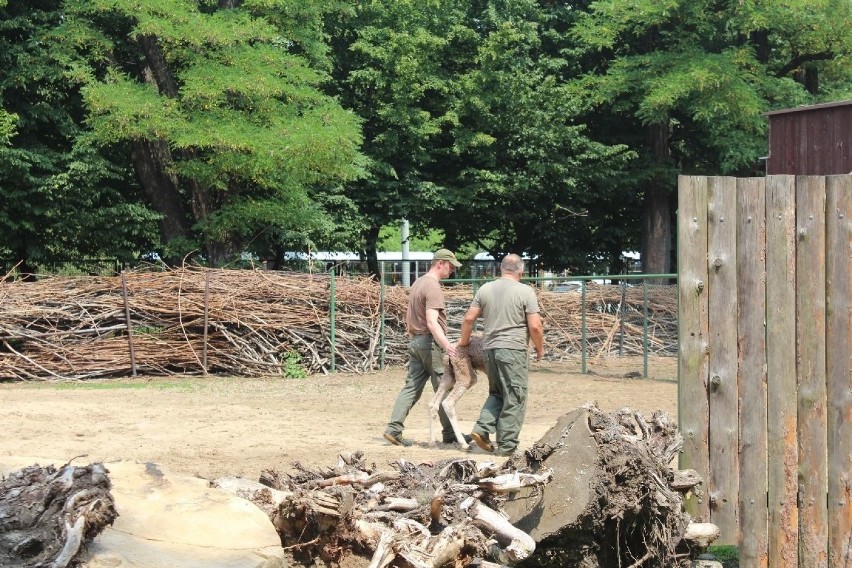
505 305
425 293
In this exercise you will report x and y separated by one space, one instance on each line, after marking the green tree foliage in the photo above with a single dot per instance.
467 124
7 120
391 67
231 137
685 84
522 173
60 198
555 129
7 126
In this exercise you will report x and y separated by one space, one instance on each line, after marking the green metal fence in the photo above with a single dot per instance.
647 302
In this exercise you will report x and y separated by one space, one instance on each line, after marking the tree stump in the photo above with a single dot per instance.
47 515
614 499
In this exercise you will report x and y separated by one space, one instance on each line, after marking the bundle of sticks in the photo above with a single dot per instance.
192 320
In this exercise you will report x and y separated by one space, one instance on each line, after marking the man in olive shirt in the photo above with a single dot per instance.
427 328
511 319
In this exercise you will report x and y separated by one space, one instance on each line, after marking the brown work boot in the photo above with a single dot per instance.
397 439
482 441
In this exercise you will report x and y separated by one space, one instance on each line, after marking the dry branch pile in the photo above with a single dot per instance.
595 491
48 515
241 322
189 321
615 321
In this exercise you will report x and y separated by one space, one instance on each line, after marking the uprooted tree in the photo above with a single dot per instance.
47 515
596 491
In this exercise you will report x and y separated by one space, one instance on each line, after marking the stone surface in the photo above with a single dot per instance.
175 522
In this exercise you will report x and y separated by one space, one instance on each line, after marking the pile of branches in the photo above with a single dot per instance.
596 491
192 320
47 515
425 515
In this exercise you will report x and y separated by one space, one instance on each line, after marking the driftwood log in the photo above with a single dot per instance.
595 491
47 515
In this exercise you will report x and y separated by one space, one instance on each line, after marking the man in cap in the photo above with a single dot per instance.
426 321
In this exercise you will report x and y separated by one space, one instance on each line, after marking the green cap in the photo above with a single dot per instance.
444 254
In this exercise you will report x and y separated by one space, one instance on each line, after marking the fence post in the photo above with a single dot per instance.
782 436
645 345
621 310
751 340
206 319
129 326
838 346
722 386
382 322
332 316
810 365
693 362
583 327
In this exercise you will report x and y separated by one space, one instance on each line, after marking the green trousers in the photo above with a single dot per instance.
504 409
425 362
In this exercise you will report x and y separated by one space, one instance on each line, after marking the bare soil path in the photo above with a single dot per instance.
217 427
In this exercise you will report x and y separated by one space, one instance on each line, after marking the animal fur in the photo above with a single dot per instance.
459 376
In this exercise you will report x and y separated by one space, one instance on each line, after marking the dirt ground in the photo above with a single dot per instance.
214 427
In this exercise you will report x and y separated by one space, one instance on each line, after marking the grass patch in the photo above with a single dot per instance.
293 368
727 554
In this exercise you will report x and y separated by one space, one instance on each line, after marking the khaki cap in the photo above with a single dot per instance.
445 254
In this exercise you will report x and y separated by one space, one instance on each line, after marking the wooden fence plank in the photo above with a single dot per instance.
751 381
839 368
782 441
723 440
693 408
810 339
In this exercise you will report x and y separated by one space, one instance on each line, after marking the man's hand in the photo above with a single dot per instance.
450 350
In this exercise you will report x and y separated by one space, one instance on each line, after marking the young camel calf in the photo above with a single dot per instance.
459 376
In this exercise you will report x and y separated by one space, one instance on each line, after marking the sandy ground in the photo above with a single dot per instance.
217 427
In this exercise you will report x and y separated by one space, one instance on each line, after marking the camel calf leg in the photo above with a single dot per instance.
459 377
449 405
446 384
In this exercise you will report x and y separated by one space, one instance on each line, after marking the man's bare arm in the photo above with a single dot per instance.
536 334
438 333
470 318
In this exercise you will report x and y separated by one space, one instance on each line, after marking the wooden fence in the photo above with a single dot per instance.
765 402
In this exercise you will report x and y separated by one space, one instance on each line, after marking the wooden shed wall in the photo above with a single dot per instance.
815 140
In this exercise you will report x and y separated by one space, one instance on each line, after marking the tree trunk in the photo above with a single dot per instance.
371 241
150 158
656 237
613 498
656 231
201 200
